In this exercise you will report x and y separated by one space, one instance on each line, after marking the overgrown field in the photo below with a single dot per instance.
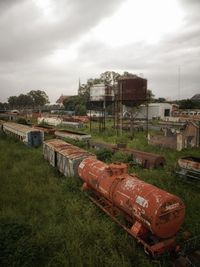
46 220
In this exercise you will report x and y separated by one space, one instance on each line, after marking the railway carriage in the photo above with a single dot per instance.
24 133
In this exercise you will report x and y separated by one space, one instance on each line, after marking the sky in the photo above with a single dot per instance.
49 44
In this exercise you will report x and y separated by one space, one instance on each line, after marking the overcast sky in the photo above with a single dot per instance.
49 44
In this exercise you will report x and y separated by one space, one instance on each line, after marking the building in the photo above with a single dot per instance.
187 138
155 110
61 99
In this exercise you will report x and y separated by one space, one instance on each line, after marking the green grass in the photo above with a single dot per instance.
164 178
46 220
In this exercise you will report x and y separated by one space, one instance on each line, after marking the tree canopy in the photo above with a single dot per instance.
34 99
77 104
188 104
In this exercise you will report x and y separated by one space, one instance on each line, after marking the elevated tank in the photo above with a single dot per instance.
150 208
131 90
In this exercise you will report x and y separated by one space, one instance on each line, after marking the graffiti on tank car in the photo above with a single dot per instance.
158 198
129 184
172 206
81 165
142 201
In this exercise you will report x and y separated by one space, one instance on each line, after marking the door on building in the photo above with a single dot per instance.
189 141
167 112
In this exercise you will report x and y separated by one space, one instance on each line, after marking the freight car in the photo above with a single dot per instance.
153 216
24 133
72 135
144 159
65 157
189 169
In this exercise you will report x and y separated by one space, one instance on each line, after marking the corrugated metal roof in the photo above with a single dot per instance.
20 127
67 149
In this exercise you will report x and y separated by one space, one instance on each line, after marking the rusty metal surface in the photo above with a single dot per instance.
132 89
18 127
72 135
45 129
142 158
64 156
150 208
83 119
189 163
145 159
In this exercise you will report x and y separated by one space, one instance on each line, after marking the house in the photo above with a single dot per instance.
187 138
61 99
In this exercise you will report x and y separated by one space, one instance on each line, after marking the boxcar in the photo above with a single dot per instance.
64 156
24 133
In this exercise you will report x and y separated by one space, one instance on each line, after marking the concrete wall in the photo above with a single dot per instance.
155 110
165 141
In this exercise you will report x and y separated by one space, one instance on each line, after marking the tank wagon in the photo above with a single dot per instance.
144 159
153 216
24 133
65 157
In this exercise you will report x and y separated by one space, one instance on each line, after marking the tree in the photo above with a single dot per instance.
39 98
3 106
150 95
24 101
188 104
76 103
12 101
109 77
160 100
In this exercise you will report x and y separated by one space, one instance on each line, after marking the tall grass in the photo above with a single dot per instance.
46 220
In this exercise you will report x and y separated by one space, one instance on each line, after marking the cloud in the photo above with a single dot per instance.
49 44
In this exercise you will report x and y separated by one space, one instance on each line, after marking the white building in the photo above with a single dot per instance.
155 110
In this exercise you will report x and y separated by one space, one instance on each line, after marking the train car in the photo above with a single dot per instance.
64 156
154 215
144 159
24 133
188 170
72 135
1 124
45 128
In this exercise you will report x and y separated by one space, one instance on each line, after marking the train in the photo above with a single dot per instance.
188 170
26 134
152 216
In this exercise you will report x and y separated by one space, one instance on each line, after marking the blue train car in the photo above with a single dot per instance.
24 133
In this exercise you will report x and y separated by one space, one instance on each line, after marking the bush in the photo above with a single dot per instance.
22 121
120 157
104 154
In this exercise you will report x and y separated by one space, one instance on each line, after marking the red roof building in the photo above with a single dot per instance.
62 98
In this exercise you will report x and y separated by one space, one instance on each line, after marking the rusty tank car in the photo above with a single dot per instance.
188 170
154 215
144 159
